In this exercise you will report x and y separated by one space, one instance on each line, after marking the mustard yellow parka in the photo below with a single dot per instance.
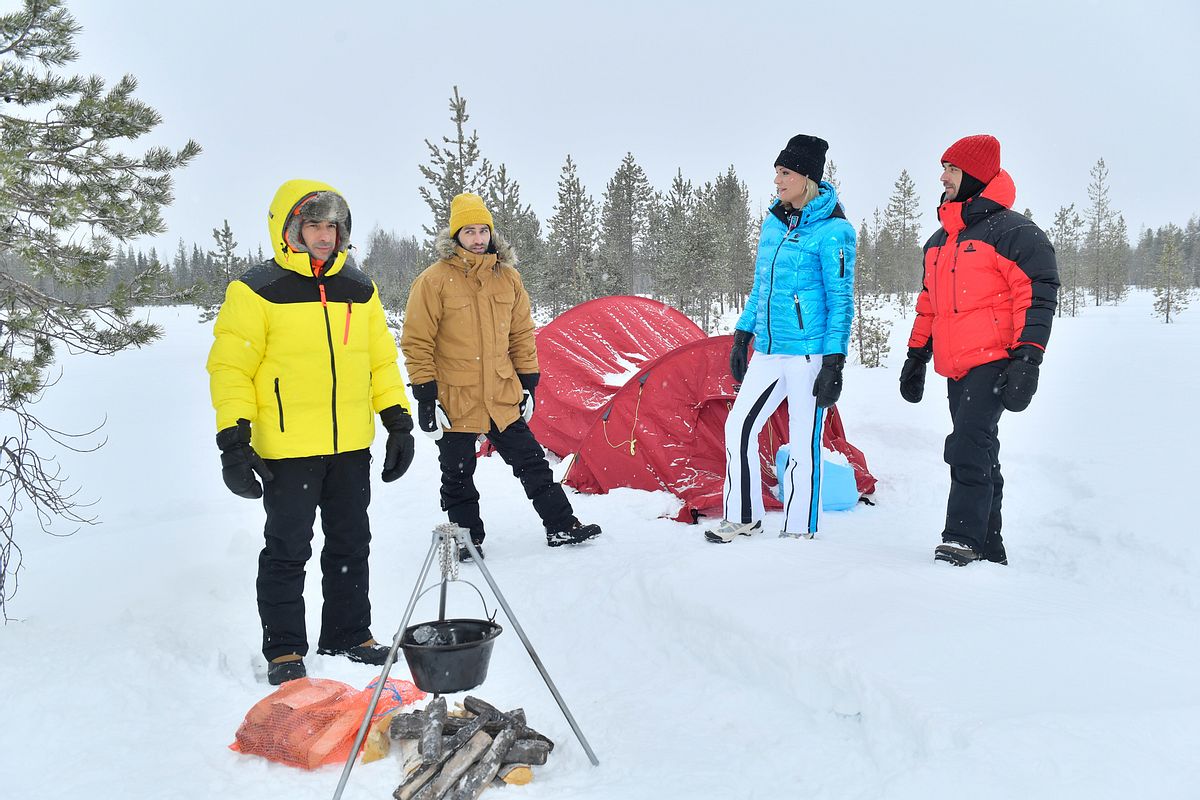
308 359
468 326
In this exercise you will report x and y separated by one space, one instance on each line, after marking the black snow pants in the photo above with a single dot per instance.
521 451
341 486
973 453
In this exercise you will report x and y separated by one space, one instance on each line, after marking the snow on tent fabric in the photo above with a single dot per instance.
664 430
588 352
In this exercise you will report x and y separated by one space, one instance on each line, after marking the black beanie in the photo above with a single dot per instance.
804 154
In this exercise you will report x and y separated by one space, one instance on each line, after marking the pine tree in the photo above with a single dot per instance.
1172 285
871 327
666 251
624 224
393 262
454 167
901 258
1066 235
1098 245
831 176
571 275
226 269
732 234
69 191
520 226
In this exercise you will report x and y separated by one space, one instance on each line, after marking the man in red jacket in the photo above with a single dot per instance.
984 314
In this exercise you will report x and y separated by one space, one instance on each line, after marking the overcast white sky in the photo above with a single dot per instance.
346 92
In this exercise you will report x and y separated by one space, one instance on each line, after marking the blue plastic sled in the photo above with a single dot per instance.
839 491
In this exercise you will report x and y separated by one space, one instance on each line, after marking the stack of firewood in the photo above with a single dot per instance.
458 753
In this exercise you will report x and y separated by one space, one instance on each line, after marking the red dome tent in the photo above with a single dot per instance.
664 430
587 353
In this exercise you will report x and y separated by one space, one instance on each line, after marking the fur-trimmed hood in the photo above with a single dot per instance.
444 244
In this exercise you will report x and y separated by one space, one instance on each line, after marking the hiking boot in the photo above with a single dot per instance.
285 668
724 533
574 533
464 555
957 553
993 550
369 652
787 535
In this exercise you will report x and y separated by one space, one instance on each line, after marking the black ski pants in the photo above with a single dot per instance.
973 453
340 485
520 450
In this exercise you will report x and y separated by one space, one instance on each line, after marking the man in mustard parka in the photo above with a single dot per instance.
302 359
469 348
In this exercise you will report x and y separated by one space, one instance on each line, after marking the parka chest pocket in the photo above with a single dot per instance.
458 309
502 308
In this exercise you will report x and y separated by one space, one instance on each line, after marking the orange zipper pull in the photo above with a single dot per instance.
321 286
346 335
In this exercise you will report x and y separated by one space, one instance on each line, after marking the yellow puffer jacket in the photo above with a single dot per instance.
468 327
308 360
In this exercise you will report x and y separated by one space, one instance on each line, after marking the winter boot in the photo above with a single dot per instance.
574 533
285 668
726 531
369 652
993 550
464 555
787 535
957 553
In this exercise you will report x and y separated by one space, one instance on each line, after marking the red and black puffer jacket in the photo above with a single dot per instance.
991 282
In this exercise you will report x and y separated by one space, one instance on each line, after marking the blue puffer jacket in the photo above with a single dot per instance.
802 300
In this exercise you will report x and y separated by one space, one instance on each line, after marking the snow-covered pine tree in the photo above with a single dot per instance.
517 222
393 262
1067 235
70 188
454 167
733 264
624 223
1172 285
571 276
871 328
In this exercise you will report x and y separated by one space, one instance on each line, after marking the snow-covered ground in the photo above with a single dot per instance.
849 666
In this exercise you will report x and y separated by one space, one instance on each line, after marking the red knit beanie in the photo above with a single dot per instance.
978 156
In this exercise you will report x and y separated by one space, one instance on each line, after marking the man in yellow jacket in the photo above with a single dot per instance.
302 358
469 348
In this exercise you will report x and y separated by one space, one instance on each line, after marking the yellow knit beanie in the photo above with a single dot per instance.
468 209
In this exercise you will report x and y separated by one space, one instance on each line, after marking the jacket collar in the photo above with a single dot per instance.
999 194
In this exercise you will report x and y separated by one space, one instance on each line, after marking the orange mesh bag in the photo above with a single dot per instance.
312 722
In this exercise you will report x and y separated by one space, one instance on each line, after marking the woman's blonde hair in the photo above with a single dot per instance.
811 190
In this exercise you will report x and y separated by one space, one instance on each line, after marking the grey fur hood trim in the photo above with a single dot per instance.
444 244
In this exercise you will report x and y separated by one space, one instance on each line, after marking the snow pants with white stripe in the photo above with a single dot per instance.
771 379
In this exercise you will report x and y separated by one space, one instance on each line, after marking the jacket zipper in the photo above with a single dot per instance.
799 316
332 363
279 402
954 277
841 262
771 289
346 335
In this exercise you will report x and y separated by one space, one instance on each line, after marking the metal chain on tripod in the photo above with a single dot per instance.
448 552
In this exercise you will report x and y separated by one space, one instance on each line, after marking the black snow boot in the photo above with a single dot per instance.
957 553
369 652
280 672
993 550
574 533
464 555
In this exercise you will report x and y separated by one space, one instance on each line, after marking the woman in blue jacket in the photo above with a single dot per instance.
798 314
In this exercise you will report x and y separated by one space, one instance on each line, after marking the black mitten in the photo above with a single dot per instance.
426 397
239 462
827 388
739 357
400 444
912 374
1018 382
529 382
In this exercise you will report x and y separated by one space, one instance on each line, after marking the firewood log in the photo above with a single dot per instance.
431 736
527 751
480 776
407 726
419 778
515 717
457 765
515 774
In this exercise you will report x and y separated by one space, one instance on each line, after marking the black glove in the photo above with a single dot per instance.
427 410
1018 382
529 382
400 444
827 388
912 374
239 462
739 357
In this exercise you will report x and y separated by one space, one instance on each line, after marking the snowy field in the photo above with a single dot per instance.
849 666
